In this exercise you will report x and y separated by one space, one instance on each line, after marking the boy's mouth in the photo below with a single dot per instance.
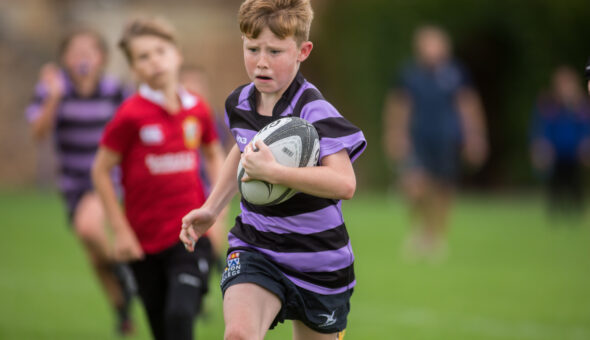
263 78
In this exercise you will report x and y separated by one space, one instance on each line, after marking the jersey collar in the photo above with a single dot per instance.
187 100
285 99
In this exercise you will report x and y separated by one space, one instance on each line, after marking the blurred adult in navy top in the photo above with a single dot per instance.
74 101
433 116
560 140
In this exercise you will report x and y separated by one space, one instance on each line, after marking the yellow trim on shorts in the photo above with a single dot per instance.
340 335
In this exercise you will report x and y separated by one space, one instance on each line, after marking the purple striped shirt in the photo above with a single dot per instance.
305 236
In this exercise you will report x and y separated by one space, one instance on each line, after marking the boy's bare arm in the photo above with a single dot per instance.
214 157
126 245
198 221
335 177
473 124
51 78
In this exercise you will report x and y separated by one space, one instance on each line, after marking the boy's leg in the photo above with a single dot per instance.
187 276
88 220
302 332
248 311
151 286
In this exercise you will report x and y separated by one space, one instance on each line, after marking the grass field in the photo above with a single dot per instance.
510 275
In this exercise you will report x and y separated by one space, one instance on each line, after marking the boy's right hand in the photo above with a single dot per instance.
194 225
50 76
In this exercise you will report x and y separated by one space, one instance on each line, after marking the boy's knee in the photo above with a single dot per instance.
88 231
182 310
179 314
238 332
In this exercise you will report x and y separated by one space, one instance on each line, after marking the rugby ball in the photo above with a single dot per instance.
294 142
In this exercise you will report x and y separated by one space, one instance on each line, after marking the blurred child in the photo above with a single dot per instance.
432 117
195 79
155 136
74 101
561 140
292 260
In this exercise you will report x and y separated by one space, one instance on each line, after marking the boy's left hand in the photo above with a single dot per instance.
258 162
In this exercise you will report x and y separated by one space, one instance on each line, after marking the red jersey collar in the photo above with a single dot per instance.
187 100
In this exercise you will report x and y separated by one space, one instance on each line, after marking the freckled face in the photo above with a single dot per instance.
271 62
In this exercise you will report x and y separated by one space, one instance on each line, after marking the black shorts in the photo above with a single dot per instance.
172 284
322 313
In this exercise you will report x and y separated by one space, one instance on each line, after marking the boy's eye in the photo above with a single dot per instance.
275 51
253 49
142 56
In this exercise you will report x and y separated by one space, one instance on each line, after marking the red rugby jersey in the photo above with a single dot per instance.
159 162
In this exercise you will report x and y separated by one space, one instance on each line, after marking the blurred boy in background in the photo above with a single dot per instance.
155 136
74 101
433 116
561 140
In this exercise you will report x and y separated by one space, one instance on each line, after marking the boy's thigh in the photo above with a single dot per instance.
250 307
302 332
88 217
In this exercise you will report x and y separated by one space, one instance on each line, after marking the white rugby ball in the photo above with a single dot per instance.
294 142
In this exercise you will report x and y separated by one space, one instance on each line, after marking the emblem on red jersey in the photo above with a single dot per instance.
192 132
151 134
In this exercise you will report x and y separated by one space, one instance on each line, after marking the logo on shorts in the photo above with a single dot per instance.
233 260
189 279
233 267
330 319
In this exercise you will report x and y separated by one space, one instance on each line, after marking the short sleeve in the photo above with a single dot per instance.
119 132
336 132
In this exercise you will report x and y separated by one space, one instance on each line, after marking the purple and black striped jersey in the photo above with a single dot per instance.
306 235
78 128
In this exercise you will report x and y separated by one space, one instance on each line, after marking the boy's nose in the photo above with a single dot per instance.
262 61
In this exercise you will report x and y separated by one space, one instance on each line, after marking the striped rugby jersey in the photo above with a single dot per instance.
78 128
305 237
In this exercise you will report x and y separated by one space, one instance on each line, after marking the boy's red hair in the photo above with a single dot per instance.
284 18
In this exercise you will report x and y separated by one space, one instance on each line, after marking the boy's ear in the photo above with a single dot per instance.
304 50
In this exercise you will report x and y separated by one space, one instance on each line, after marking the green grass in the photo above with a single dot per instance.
510 275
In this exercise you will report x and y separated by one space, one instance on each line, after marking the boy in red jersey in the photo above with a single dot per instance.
154 137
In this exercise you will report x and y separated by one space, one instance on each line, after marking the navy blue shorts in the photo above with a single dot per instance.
322 313
440 160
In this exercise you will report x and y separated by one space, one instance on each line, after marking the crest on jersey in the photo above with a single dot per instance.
192 132
151 134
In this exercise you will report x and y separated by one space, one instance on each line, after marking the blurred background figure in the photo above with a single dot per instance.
195 79
73 101
432 117
560 141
